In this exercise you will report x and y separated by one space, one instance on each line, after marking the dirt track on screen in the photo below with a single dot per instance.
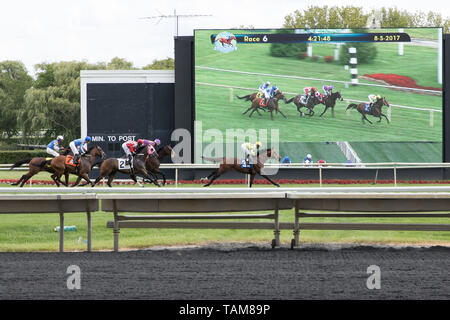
238 272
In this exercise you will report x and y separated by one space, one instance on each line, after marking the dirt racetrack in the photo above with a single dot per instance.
231 271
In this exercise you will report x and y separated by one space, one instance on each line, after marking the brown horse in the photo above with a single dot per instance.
298 101
153 161
228 164
86 162
374 111
111 166
330 102
35 165
272 105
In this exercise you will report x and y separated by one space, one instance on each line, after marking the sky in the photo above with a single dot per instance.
99 30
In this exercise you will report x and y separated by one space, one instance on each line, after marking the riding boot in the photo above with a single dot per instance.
76 160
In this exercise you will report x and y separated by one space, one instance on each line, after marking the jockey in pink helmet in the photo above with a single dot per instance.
150 143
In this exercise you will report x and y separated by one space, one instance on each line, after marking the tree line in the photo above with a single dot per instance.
49 104
37 110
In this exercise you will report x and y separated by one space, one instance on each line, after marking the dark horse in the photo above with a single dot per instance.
111 166
330 102
228 164
86 162
375 111
35 165
272 105
309 105
153 161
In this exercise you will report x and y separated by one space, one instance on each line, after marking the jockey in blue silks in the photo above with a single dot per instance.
264 89
79 146
54 146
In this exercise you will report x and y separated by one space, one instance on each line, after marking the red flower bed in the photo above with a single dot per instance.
398 80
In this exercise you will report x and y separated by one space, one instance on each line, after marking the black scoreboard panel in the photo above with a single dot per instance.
117 112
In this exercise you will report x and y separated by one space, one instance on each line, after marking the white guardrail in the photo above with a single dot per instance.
394 166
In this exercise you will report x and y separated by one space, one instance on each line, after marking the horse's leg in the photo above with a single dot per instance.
326 107
110 179
385 117
77 182
53 176
25 178
247 110
367 119
66 176
271 114
251 113
281 113
252 177
267 178
258 112
216 175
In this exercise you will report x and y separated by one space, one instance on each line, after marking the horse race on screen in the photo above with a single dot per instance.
377 90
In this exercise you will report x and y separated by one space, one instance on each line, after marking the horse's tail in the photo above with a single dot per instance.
290 100
212 159
351 106
42 163
243 97
19 163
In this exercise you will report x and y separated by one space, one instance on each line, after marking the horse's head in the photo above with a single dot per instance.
96 151
338 95
164 151
280 96
385 102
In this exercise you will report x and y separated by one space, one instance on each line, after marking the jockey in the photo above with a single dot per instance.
309 91
327 90
273 91
129 147
79 146
264 90
372 99
250 149
308 159
153 144
54 146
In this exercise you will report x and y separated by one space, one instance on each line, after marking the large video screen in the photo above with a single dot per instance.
340 95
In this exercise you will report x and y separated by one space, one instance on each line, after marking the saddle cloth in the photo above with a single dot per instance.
367 108
261 103
245 165
303 99
69 161
122 164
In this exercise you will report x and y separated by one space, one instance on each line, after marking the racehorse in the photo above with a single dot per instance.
228 164
330 102
300 104
271 105
85 164
111 166
153 161
375 111
35 165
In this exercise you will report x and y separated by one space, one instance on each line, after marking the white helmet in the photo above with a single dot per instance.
60 138
308 156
